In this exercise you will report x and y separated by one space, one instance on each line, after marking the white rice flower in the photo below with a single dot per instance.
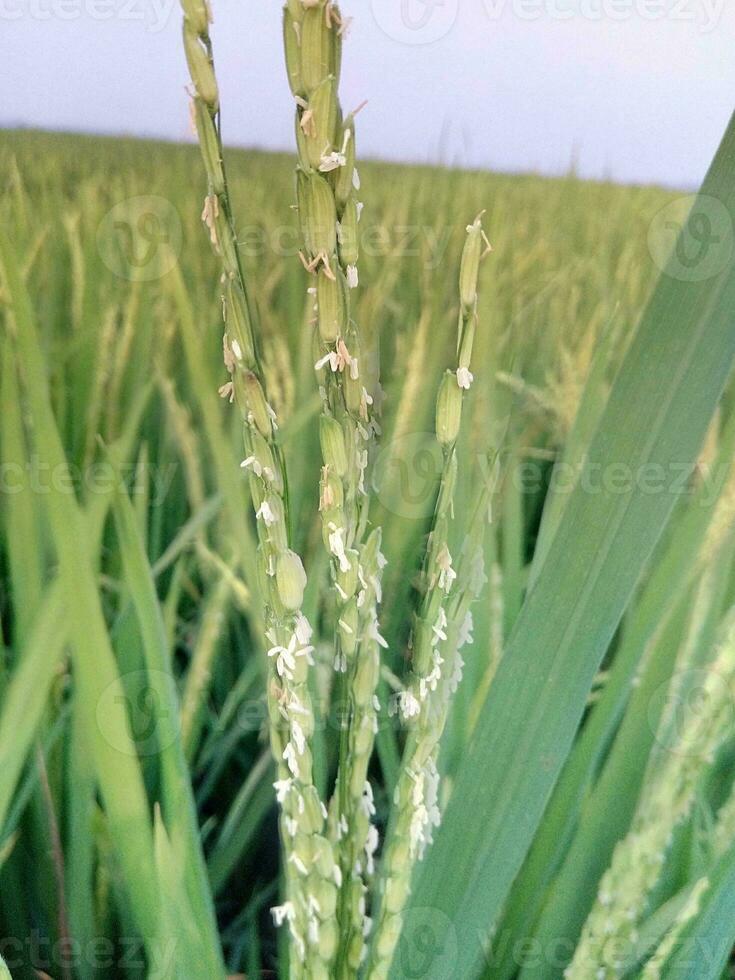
285 661
227 390
478 578
295 707
265 514
367 802
282 787
291 759
210 211
331 161
374 634
465 377
371 846
447 574
439 628
298 941
337 547
416 837
361 459
297 734
430 682
252 462
465 631
456 678
409 704
340 663
331 359
283 913
302 629
296 861
353 278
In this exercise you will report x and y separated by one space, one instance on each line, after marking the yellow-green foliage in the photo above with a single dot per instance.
104 241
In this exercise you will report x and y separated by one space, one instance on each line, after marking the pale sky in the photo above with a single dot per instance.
637 90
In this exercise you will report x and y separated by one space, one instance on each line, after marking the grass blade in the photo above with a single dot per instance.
178 803
657 414
114 754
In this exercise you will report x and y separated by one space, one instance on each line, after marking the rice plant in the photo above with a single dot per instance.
400 644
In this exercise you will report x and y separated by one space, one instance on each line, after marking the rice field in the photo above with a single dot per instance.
586 763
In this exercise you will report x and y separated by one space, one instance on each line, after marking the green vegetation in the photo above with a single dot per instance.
585 758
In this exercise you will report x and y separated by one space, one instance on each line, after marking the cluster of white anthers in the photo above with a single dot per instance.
367 805
337 548
425 814
298 645
447 574
410 701
286 789
339 359
264 472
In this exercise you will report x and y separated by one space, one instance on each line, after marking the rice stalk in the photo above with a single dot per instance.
312 875
655 965
612 926
442 626
327 182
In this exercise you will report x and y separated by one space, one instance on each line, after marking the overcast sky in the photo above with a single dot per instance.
639 90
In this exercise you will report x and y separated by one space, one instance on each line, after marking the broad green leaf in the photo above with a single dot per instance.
669 580
658 411
179 950
19 511
96 674
178 803
27 694
706 944
606 813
